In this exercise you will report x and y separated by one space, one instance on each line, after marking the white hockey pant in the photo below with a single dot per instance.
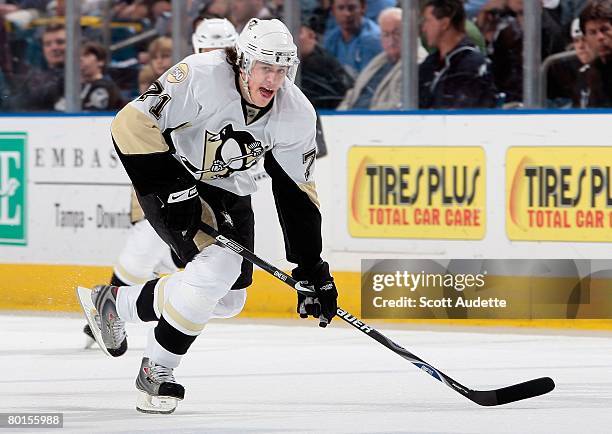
189 299
144 256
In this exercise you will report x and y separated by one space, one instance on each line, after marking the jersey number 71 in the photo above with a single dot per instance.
156 89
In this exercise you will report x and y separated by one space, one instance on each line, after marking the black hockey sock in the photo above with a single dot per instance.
115 281
171 339
144 304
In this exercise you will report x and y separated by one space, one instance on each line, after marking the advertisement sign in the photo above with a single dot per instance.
559 193
416 192
13 186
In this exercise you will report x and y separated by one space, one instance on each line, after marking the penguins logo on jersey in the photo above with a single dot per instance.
227 152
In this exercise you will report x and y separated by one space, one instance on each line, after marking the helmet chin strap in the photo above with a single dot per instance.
244 87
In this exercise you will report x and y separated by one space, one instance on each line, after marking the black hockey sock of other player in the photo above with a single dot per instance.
144 303
171 339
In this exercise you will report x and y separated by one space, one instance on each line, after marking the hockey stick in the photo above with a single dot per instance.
504 395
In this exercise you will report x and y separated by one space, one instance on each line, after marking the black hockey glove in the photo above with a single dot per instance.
324 305
181 206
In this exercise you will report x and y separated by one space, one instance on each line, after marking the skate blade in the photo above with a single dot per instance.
155 404
89 342
84 296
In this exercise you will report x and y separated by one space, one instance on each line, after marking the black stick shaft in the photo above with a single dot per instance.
346 316
493 397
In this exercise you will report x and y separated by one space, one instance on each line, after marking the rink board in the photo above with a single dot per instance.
267 297
65 199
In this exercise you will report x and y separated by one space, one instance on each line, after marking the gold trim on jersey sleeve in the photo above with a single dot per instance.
135 133
136 212
310 189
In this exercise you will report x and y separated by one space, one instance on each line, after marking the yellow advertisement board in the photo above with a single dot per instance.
559 193
416 192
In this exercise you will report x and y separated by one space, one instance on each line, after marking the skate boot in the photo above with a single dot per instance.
112 328
158 390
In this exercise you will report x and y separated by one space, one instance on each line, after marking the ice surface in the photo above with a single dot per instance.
293 377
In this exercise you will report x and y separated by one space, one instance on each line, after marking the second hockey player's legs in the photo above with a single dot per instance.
143 256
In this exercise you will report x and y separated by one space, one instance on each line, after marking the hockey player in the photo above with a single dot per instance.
212 34
190 145
145 255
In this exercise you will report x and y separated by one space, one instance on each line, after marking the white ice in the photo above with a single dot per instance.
292 377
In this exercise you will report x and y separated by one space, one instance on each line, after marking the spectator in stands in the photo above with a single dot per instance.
501 22
567 77
99 92
160 7
375 7
503 33
356 39
160 55
216 8
241 11
322 78
20 14
473 7
6 67
579 44
277 7
455 74
136 10
554 39
596 24
379 85
42 88
56 8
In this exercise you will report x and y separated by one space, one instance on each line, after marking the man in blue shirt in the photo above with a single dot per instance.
356 39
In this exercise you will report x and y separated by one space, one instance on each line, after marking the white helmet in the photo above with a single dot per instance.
214 33
267 41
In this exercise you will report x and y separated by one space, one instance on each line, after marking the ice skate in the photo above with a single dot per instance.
89 336
158 391
112 327
90 339
100 310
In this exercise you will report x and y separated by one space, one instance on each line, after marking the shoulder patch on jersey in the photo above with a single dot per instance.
178 74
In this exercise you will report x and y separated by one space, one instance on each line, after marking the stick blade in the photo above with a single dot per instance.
516 392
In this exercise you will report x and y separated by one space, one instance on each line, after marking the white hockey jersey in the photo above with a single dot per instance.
197 109
192 123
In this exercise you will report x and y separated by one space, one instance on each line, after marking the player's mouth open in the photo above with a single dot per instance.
265 92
